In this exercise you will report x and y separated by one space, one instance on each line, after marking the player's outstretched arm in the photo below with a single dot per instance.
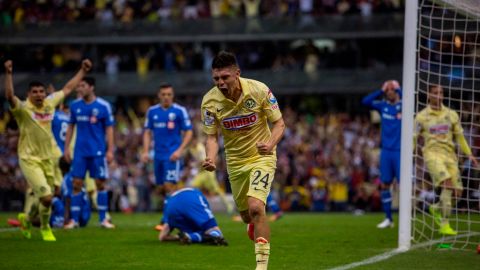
9 93
72 84
265 148
211 148
370 99
462 143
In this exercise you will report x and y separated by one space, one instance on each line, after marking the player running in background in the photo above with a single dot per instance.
390 110
241 109
170 128
203 179
36 142
437 125
188 211
93 118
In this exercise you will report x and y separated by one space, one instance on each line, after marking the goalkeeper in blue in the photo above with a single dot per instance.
390 109
188 211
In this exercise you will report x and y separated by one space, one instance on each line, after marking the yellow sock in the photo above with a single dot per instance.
446 200
262 253
44 215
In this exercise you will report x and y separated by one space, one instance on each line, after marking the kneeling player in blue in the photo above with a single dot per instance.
77 206
188 211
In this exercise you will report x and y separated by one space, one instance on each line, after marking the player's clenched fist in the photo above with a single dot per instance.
86 65
264 148
209 165
8 66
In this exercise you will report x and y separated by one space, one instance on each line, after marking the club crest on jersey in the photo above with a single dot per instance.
208 118
171 116
250 103
238 122
95 112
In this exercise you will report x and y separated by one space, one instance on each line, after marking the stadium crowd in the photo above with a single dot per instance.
110 11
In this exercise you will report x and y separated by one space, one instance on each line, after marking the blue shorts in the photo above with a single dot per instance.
96 166
389 166
167 171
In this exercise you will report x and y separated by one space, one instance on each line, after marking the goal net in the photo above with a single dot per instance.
448 54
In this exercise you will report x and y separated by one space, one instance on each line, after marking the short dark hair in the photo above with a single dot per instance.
224 59
165 85
35 84
89 80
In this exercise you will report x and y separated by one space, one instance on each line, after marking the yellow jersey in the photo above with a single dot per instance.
243 123
35 124
438 128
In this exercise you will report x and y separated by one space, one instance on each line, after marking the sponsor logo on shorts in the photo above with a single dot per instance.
238 122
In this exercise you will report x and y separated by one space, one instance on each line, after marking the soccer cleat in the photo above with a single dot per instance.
437 217
159 227
214 240
445 229
251 231
71 224
13 222
107 224
276 216
47 234
184 238
386 223
25 225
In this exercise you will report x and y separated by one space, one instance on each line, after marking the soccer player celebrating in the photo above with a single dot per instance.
188 211
241 109
35 146
170 126
93 118
390 110
438 124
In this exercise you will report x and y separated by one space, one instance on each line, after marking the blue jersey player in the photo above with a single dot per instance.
94 144
390 110
188 211
170 126
60 121
171 129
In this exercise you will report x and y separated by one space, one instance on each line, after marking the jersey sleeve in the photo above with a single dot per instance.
55 98
16 110
148 121
185 124
371 100
209 120
457 128
109 120
73 115
270 107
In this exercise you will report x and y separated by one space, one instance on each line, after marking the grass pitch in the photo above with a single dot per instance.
299 241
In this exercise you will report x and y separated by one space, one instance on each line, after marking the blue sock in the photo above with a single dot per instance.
57 217
102 204
76 206
195 237
387 203
215 233
272 204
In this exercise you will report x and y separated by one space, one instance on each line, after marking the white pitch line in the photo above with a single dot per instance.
391 253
